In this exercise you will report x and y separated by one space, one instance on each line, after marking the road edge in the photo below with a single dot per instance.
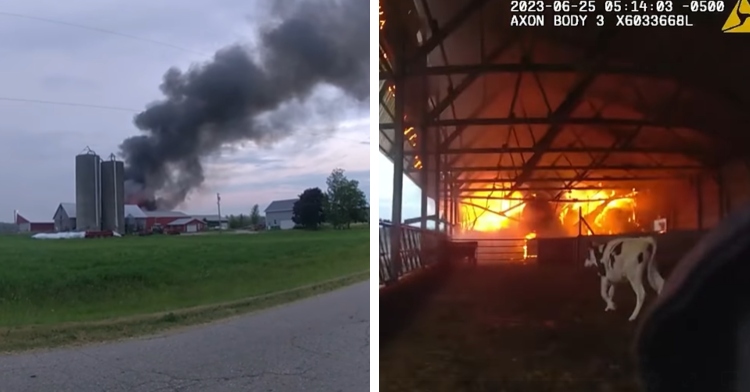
42 337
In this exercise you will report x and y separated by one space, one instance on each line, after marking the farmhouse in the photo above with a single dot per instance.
27 225
186 225
279 214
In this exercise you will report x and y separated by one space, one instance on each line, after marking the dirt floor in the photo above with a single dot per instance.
515 328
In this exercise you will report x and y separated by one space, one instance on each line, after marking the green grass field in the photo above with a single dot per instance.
48 282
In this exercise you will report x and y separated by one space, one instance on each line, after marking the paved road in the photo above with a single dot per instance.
318 344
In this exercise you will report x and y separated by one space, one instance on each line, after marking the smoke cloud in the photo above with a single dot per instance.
245 95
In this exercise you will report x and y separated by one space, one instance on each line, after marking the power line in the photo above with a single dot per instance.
100 30
60 103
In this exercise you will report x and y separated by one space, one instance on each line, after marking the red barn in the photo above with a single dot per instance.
186 225
163 218
33 226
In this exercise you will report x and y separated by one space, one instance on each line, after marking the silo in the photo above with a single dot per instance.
88 191
113 195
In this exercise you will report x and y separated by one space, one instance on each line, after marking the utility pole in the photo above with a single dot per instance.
218 205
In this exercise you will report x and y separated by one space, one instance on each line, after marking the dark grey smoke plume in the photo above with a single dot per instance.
234 98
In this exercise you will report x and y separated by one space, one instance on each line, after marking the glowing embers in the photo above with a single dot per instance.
411 137
381 16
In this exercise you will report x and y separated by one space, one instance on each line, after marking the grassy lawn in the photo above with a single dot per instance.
514 329
47 283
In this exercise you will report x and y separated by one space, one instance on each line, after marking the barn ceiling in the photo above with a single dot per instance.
550 107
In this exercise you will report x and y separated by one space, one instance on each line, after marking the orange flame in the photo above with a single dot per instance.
605 203
613 213
529 236
482 214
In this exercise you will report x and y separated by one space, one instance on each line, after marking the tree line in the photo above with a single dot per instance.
342 204
254 220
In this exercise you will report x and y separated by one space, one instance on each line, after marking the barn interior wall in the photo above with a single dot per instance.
677 202
735 178
710 206
688 204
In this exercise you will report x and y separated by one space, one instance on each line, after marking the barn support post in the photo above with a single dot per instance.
446 202
436 158
423 178
398 172
454 209
422 140
578 241
699 200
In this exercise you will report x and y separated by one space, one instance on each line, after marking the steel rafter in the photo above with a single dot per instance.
451 26
508 182
594 121
620 142
547 200
569 150
578 167
529 66
468 192
466 83
568 106
471 78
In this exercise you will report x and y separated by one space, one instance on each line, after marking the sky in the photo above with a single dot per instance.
412 194
57 62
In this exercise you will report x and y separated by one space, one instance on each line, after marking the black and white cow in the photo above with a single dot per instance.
625 258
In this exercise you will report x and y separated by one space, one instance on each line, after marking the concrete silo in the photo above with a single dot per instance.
113 195
88 191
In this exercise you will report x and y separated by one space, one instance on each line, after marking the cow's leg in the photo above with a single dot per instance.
640 295
654 277
605 287
611 295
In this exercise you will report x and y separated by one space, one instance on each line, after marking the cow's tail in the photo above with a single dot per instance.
652 272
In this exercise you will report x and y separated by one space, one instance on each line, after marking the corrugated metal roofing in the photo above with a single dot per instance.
281 205
134 211
164 214
182 221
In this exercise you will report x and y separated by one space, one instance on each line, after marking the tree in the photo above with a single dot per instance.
308 211
346 202
255 215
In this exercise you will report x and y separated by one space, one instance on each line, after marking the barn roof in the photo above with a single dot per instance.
164 214
542 106
69 208
132 210
281 205
183 221
31 218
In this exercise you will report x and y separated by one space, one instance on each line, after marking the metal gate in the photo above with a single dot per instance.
503 250
419 248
